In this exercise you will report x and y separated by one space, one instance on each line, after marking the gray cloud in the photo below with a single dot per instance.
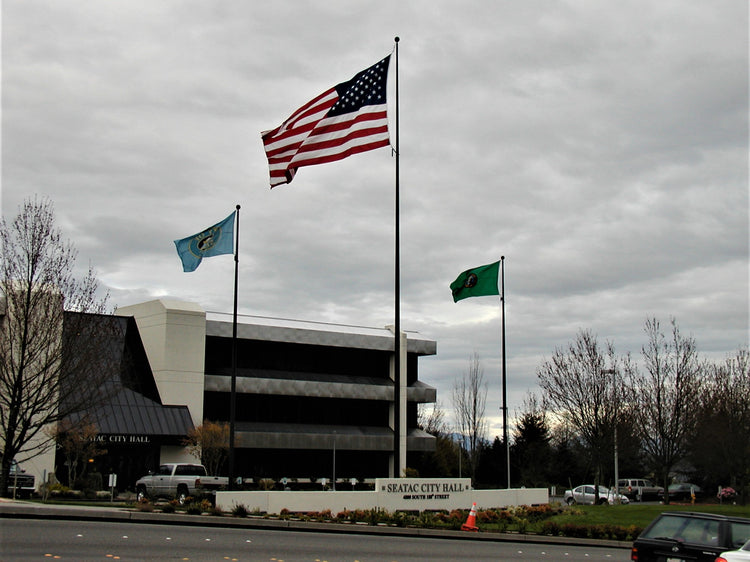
602 149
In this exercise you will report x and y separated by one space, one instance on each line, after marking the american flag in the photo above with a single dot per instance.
349 118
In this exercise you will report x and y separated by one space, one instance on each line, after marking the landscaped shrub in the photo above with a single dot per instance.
216 510
488 516
431 519
144 505
539 512
196 508
343 516
239 510
632 532
522 519
551 528
400 519
373 516
458 515
61 491
574 530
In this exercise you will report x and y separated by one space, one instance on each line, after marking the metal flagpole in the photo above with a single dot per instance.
232 396
397 321
505 400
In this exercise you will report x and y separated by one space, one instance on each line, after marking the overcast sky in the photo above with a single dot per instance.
601 147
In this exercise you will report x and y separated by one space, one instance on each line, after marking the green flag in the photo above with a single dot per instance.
476 282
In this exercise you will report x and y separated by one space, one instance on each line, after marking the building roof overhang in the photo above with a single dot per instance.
314 333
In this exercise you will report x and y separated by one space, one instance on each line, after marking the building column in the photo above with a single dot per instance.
174 337
398 472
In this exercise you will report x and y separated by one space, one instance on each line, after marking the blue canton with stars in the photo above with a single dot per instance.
366 88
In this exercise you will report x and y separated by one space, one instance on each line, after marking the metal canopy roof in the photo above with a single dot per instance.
130 413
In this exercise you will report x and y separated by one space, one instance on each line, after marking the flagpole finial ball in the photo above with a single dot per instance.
238 207
502 257
397 39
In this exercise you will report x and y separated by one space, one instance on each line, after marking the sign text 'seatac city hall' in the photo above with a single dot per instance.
423 490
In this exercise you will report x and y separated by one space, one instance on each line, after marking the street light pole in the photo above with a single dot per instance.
334 461
613 372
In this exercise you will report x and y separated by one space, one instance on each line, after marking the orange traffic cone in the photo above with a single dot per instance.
471 521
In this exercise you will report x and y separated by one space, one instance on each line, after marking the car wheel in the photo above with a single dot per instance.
140 494
602 501
570 501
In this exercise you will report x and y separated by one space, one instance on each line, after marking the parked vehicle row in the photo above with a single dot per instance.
632 489
643 489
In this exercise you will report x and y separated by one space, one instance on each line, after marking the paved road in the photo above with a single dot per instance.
38 539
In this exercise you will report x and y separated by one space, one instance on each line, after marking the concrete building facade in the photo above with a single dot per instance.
313 400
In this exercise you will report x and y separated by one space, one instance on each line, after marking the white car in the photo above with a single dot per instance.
585 495
741 555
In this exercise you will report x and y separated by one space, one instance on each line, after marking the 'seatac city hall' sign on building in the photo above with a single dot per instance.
123 439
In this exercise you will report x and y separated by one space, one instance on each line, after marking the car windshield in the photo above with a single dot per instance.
685 529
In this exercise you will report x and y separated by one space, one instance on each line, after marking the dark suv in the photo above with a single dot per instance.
684 536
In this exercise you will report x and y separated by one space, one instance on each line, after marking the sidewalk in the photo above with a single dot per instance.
20 509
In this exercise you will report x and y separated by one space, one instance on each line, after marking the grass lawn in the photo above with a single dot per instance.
637 514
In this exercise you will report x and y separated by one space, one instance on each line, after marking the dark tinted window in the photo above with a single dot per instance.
702 532
740 534
666 526
190 470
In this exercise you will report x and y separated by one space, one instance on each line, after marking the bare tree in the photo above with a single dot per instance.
432 420
469 399
51 355
667 394
209 442
578 384
443 461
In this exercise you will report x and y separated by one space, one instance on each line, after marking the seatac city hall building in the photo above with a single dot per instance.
308 395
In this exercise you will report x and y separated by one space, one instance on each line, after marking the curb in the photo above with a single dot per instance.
24 510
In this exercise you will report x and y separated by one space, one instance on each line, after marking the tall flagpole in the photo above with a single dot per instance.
397 322
505 400
232 396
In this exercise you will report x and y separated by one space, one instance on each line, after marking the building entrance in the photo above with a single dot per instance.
128 461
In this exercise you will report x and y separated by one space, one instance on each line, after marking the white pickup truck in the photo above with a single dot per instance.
179 481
